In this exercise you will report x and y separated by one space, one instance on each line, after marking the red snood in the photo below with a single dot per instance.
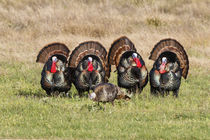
162 68
53 68
138 63
90 66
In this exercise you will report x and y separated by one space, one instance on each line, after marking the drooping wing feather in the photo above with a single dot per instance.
171 45
118 47
52 49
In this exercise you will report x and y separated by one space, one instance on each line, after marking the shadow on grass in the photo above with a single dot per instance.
31 94
41 94
93 107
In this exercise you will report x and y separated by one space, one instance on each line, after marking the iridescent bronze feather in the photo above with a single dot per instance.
52 49
59 80
83 78
118 47
87 48
171 63
171 45
130 76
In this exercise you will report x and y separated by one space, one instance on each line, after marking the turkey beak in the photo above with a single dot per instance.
163 63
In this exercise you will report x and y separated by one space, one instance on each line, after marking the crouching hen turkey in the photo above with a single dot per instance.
107 92
88 65
131 70
171 63
55 75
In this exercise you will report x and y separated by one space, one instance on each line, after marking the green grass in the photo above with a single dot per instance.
26 111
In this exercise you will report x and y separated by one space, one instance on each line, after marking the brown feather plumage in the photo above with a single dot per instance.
118 47
87 48
52 49
171 45
107 92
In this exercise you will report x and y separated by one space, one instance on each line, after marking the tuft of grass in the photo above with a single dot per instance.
154 22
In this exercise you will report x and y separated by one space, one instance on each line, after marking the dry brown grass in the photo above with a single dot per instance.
27 25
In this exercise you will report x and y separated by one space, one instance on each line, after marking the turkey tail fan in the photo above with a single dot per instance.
89 48
58 49
118 47
171 45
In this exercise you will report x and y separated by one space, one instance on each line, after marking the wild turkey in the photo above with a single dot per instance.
88 65
171 62
107 92
131 70
55 75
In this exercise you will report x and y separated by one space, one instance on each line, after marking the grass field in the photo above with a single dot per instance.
27 112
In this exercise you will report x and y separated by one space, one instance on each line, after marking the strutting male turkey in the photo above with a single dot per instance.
132 73
55 75
88 66
171 62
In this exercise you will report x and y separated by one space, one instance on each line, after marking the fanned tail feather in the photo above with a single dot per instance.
52 49
171 45
117 49
89 48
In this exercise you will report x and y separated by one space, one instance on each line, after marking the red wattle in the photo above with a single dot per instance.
162 71
138 63
53 68
90 66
